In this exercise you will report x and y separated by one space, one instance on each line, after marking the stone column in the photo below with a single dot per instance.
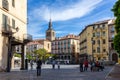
22 58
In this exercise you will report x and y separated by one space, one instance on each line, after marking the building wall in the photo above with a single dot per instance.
94 39
47 45
67 48
19 14
39 44
89 42
102 54
32 46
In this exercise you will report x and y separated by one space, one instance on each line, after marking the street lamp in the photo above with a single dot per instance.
10 37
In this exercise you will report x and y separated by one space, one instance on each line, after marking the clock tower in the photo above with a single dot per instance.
50 33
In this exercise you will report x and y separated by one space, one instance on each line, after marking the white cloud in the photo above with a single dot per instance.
77 10
38 36
59 32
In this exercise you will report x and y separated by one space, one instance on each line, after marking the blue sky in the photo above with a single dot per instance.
68 16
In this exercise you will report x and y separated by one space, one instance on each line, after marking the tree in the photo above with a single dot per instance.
116 10
117 42
40 52
43 54
17 55
28 55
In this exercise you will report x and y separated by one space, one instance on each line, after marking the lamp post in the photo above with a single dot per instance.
10 36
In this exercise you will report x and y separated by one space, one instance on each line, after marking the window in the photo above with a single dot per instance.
94 51
53 34
113 36
5 4
112 29
103 26
104 50
13 3
4 21
98 34
103 41
98 41
48 46
93 34
93 42
103 33
98 49
13 23
96 26
112 45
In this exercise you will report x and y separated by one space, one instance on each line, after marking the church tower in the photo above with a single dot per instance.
50 33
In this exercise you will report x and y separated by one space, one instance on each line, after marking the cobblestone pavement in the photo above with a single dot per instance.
70 73
114 74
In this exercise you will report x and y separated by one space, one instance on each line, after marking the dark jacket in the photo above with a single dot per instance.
39 63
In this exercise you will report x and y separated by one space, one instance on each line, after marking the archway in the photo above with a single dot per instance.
115 57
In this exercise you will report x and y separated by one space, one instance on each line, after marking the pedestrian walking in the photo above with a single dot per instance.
81 65
85 65
97 64
58 64
39 64
31 64
53 64
92 65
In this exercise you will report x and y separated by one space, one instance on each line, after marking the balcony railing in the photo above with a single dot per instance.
27 37
6 29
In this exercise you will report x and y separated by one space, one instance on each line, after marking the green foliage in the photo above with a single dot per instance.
116 10
29 57
17 55
43 54
117 24
117 42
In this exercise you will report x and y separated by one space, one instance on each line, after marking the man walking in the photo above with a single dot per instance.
39 63
81 65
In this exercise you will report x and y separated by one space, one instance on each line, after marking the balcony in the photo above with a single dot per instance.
16 41
6 30
27 38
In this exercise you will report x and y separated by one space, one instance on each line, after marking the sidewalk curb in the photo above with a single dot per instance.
109 72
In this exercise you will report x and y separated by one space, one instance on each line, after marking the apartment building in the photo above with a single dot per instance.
95 40
39 44
66 48
13 30
32 46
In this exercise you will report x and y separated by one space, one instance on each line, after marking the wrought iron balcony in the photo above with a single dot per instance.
27 38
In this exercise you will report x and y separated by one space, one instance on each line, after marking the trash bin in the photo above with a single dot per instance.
26 64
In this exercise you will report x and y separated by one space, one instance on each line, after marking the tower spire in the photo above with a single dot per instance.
50 24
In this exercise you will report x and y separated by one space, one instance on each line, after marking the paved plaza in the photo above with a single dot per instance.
67 72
